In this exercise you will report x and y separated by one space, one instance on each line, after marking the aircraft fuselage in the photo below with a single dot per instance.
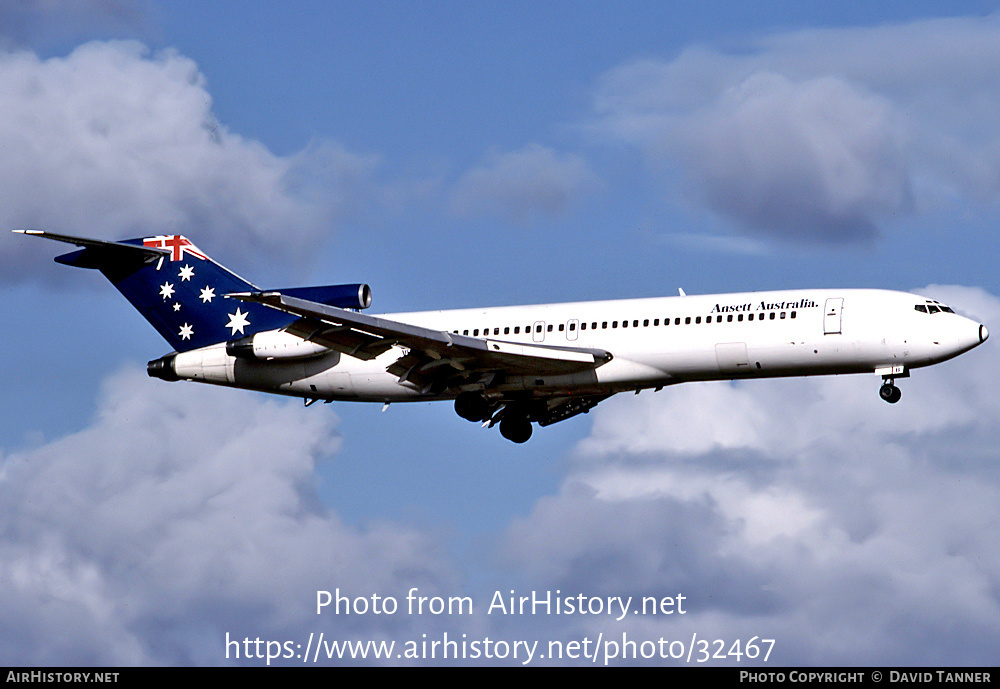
655 342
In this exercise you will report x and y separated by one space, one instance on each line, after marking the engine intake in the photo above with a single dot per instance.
354 296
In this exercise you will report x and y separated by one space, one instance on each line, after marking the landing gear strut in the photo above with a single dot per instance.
889 392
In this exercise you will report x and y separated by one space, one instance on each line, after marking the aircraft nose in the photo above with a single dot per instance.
972 335
966 334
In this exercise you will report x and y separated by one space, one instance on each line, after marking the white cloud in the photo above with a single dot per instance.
518 185
822 134
112 142
807 510
183 513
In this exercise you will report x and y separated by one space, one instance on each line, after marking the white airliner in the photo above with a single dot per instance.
510 365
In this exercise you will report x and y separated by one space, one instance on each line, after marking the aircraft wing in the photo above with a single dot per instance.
436 359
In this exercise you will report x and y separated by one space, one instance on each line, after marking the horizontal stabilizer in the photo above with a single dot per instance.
96 252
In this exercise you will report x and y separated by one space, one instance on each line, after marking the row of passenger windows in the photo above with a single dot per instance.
689 320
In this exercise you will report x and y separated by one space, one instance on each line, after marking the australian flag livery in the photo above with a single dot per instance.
182 292
179 290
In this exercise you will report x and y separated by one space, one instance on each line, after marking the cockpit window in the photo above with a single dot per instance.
933 307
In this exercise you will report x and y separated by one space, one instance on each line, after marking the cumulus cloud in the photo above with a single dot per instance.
821 135
113 142
518 185
182 514
804 510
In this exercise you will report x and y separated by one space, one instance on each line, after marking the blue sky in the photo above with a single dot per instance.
460 154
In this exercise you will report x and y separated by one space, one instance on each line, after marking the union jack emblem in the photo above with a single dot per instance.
179 246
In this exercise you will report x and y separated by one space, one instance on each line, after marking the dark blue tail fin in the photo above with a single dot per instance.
176 287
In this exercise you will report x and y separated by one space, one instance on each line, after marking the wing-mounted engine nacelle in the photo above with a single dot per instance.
355 296
274 344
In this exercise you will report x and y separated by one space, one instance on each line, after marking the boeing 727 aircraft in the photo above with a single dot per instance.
511 365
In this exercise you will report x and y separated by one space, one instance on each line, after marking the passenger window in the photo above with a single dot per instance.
465 332
506 331
772 315
496 331
635 323
562 327
739 317
677 321
583 326
729 318
782 314
793 314
656 321
624 324
476 332
604 325
517 330
549 328
697 320
687 320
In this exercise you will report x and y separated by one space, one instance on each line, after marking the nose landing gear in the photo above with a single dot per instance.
889 392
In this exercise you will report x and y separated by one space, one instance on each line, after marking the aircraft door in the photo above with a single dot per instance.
832 316
571 329
538 331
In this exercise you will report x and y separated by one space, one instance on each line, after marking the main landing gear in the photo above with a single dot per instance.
889 392
515 425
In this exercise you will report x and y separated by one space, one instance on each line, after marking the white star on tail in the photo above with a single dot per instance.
187 272
207 295
166 290
186 332
237 321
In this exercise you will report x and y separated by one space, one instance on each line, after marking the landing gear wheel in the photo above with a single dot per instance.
472 406
890 393
515 428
